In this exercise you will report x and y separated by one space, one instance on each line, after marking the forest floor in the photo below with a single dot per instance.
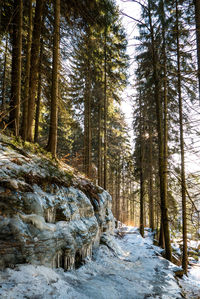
132 269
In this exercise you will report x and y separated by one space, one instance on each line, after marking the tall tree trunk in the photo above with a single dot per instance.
145 207
163 198
52 143
151 204
118 201
142 191
157 203
27 74
123 194
105 109
197 18
116 204
165 150
85 150
16 67
0 16
100 142
133 205
87 128
34 67
161 236
87 110
4 75
128 211
89 141
183 185
39 92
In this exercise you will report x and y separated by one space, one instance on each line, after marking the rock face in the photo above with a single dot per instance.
48 215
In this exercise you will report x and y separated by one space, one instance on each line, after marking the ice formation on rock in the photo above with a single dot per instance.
48 216
37 221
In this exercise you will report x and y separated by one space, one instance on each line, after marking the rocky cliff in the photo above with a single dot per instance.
49 214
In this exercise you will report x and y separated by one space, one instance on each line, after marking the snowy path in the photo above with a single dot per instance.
138 272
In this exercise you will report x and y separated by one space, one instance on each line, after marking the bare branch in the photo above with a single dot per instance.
134 19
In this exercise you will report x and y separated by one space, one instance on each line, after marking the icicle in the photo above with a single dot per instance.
69 262
60 254
54 263
86 252
57 260
50 215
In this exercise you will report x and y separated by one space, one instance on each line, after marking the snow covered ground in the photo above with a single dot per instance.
191 284
134 269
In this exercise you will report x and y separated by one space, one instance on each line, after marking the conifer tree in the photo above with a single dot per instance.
39 93
52 143
98 71
3 100
16 67
197 19
27 73
142 188
183 184
34 67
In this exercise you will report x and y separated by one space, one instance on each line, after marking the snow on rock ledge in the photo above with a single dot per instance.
48 215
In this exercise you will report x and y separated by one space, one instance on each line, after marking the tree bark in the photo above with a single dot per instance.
4 76
123 194
183 185
0 15
116 206
52 143
165 151
142 191
197 19
133 205
105 108
87 110
118 185
163 198
151 204
39 92
16 67
27 75
87 127
161 236
34 67
100 142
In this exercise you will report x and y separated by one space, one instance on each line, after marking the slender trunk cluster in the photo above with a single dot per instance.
87 111
4 76
105 110
100 141
16 67
34 62
39 94
183 184
52 143
163 183
142 188
27 74
197 18
151 199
